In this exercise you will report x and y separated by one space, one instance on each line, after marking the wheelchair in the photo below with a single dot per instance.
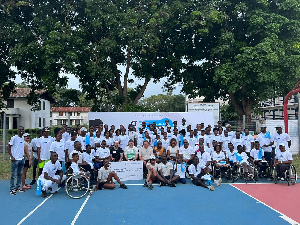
238 173
77 186
221 172
289 175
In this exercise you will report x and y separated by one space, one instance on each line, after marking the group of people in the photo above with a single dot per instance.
170 154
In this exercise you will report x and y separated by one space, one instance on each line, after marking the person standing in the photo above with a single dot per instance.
15 149
281 137
35 162
266 140
28 162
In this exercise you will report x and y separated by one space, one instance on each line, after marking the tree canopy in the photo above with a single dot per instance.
245 51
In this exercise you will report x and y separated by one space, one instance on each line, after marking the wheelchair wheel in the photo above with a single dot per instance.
77 186
275 178
292 175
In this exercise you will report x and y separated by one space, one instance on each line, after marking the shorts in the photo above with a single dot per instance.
35 162
101 184
26 164
42 164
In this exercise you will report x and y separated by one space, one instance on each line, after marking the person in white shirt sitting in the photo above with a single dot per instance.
105 176
153 175
243 161
283 160
48 178
167 176
257 156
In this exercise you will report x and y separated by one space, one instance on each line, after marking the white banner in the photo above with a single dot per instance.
136 118
128 170
206 107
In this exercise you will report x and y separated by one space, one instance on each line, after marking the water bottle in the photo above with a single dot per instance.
39 187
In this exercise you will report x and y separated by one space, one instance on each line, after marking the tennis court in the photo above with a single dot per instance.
262 203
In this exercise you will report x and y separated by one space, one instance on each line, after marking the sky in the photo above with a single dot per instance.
152 89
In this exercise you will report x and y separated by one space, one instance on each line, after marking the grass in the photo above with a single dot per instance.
5 167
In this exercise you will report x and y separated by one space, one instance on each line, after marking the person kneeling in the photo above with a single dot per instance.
48 178
105 176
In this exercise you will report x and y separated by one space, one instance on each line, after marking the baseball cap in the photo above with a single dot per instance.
263 125
281 144
83 129
228 125
278 126
152 157
26 134
46 129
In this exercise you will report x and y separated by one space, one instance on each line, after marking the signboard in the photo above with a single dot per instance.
136 118
128 170
206 107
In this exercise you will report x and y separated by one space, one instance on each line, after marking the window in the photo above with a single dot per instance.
44 122
10 103
78 113
77 122
61 113
40 122
44 106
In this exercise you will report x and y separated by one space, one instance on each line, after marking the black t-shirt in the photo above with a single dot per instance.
116 153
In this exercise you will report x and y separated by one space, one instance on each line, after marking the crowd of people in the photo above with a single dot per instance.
170 154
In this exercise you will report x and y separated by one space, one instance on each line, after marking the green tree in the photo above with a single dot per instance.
164 103
244 51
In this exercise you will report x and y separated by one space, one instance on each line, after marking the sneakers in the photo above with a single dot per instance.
12 192
211 188
32 182
187 175
123 186
145 184
172 185
20 190
162 184
44 194
150 185
218 182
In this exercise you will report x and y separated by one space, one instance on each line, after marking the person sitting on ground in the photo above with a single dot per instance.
283 161
48 178
131 152
204 158
116 153
152 167
28 162
105 176
194 171
166 173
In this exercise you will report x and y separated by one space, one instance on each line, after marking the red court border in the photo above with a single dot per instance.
280 197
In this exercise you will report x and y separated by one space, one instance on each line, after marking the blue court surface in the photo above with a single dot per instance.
184 204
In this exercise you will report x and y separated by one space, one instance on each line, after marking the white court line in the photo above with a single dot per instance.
81 208
286 218
29 214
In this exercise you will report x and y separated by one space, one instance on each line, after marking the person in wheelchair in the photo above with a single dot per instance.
258 158
74 168
219 160
244 162
283 161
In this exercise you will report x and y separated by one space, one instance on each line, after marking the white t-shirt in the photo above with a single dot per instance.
98 140
282 138
284 156
51 168
180 170
17 147
34 147
173 151
165 168
44 144
203 159
165 143
109 141
123 141
102 152
218 157
132 135
87 157
59 148
66 136
237 142
225 141
69 145
186 152
155 166
103 174
192 141
248 140
75 168
177 138
254 154
195 170
244 157
265 141
231 156
82 141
